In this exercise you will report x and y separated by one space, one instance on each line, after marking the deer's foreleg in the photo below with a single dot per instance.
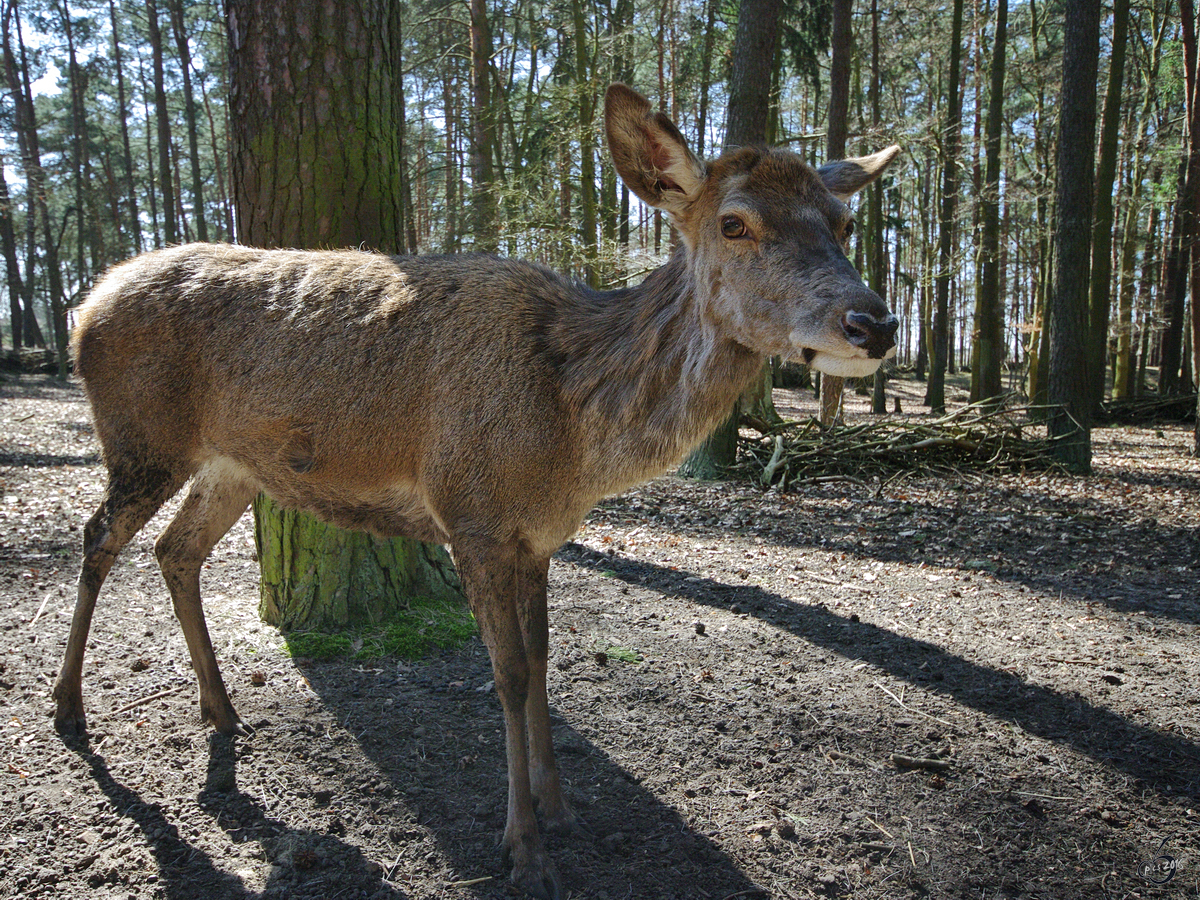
213 504
492 574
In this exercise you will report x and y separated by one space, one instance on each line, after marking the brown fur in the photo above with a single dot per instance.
474 401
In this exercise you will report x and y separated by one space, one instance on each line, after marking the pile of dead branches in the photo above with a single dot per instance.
1148 409
974 438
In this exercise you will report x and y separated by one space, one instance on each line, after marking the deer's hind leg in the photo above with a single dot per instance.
133 495
219 495
545 785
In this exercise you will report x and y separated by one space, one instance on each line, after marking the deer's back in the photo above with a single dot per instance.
334 374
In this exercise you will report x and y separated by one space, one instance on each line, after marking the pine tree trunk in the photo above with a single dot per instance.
317 577
326 178
587 147
483 130
162 121
940 346
189 116
123 116
1106 173
989 308
8 244
878 267
1070 406
39 210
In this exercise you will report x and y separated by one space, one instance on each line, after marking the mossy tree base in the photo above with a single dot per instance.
712 459
318 577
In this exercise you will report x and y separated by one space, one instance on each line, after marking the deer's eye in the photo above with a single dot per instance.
732 227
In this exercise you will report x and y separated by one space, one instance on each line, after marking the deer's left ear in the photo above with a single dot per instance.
847 177
650 154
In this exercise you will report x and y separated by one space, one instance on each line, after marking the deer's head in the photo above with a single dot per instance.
767 236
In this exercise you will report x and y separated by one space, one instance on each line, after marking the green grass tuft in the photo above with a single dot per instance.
425 626
622 654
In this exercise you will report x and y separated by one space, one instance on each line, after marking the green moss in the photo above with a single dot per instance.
425 626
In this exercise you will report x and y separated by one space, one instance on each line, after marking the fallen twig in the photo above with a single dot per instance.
880 827
470 882
41 609
909 708
918 762
142 702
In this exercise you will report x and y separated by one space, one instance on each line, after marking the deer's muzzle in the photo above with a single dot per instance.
876 336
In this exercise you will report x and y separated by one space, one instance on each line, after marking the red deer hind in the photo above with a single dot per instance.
474 401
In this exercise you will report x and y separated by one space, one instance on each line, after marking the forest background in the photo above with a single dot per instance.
114 129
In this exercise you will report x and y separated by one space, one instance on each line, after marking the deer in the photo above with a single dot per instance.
474 401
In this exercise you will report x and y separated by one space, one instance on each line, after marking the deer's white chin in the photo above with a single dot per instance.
840 366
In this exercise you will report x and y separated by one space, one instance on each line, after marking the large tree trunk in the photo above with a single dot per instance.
1191 55
1070 400
316 164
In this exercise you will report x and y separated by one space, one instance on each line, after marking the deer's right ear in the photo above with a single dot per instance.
649 152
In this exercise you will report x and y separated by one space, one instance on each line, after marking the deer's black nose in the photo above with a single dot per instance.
876 336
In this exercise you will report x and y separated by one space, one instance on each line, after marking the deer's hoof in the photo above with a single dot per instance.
532 870
565 822
538 881
226 721
69 720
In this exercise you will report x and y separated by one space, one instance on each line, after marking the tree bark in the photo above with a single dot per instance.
316 164
877 268
1192 210
483 131
935 394
1100 289
1069 419
754 49
123 117
17 74
74 76
8 244
162 119
586 100
989 309
189 115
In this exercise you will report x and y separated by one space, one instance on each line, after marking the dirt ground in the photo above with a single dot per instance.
737 680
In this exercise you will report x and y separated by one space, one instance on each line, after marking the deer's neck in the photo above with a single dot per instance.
646 365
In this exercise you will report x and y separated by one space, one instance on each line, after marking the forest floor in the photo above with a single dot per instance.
737 678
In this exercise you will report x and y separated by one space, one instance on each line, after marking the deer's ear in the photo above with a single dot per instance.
649 152
847 177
